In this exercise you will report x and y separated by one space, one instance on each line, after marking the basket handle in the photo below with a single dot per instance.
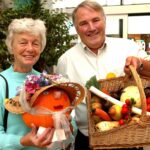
141 91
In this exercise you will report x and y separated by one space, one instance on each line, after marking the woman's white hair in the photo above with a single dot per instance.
35 27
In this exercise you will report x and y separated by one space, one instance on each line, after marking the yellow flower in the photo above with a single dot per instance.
6 100
110 75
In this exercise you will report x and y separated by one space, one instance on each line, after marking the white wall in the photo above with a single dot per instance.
139 25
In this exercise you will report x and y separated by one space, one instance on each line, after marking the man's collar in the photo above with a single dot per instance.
86 48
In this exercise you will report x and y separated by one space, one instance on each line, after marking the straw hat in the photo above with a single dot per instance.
75 92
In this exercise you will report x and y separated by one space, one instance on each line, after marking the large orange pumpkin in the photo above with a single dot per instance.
54 99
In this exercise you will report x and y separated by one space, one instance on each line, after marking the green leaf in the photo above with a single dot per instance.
92 82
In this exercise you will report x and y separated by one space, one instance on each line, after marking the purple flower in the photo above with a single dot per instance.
34 82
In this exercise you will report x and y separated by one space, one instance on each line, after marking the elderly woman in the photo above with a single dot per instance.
26 40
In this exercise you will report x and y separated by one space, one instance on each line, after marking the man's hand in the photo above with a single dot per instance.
134 61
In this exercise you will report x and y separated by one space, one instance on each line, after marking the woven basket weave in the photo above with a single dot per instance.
126 136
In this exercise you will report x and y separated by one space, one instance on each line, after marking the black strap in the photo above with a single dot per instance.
6 111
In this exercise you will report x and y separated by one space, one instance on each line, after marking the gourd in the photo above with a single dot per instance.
53 99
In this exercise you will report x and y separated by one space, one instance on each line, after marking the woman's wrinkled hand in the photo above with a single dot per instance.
41 140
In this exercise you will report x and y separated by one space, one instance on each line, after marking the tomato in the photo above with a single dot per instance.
148 100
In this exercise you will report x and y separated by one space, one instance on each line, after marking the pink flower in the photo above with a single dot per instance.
31 84
31 88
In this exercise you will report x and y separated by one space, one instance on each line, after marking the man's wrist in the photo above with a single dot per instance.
141 65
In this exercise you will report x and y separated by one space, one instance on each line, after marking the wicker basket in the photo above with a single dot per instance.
128 135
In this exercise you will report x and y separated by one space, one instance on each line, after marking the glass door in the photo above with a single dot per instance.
139 30
133 26
116 26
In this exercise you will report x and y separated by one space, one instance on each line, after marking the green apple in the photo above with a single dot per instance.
115 112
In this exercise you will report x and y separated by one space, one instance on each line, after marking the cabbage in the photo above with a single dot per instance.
129 93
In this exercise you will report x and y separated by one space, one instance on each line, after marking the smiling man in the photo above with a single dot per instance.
96 54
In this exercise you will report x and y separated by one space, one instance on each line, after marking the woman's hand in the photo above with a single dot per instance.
40 141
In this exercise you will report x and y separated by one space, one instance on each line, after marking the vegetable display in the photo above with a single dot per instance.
122 112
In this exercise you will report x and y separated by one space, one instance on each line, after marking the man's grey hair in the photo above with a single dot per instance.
88 4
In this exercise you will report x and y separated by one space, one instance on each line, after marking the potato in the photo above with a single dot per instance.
107 125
